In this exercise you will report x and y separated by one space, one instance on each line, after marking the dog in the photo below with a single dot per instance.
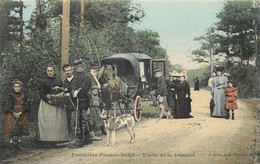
111 124
163 108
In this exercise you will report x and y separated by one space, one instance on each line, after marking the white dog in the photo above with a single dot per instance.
111 124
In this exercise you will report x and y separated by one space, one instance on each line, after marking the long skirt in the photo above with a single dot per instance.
52 123
219 102
15 127
183 106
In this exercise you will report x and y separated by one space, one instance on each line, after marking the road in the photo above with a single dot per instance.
197 140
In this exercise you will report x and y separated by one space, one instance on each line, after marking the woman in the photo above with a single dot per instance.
183 99
197 84
16 122
219 84
52 119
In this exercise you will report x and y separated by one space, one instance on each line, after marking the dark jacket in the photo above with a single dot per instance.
46 85
161 86
83 82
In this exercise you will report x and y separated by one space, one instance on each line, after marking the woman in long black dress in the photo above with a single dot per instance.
183 107
197 84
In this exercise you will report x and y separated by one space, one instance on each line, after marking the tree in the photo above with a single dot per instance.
236 20
65 34
207 53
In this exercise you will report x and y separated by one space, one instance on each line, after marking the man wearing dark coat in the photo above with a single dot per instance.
161 87
80 90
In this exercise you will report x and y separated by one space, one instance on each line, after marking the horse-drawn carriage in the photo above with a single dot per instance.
135 71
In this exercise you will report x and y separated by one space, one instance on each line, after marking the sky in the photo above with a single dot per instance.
178 22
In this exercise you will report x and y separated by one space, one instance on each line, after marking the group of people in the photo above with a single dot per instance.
224 95
68 110
176 93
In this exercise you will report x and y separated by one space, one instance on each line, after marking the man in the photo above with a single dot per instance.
52 119
161 87
219 84
67 84
79 90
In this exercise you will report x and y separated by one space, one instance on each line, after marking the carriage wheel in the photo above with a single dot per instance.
138 108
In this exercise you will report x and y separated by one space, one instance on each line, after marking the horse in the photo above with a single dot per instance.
111 87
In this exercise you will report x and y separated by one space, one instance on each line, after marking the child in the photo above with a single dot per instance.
231 98
94 117
16 122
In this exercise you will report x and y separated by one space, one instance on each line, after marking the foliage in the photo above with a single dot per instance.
236 20
9 23
100 13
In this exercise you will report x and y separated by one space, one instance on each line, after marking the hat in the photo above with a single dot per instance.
93 66
175 73
94 87
16 81
219 68
230 81
157 70
76 63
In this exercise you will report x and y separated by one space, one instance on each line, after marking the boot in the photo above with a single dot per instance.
93 137
227 117
11 146
233 118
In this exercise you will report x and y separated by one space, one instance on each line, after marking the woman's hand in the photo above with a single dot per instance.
176 97
186 96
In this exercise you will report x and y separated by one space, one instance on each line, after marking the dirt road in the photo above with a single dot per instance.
198 140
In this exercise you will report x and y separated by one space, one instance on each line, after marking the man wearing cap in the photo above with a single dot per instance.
79 90
171 89
161 87
219 84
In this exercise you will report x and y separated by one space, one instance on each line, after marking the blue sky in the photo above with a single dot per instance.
177 22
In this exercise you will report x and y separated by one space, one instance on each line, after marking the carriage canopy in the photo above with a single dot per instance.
127 67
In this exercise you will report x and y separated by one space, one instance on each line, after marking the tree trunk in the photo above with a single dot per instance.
65 34
82 7
21 26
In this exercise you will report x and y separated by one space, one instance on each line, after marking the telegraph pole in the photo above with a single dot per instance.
65 34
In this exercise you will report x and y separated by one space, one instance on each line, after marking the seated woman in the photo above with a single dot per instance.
16 122
183 106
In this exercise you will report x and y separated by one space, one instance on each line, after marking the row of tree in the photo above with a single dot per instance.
233 42
97 29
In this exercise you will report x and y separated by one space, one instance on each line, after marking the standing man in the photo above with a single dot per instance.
67 85
161 87
52 119
80 90
219 84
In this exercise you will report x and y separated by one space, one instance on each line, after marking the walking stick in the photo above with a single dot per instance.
76 115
